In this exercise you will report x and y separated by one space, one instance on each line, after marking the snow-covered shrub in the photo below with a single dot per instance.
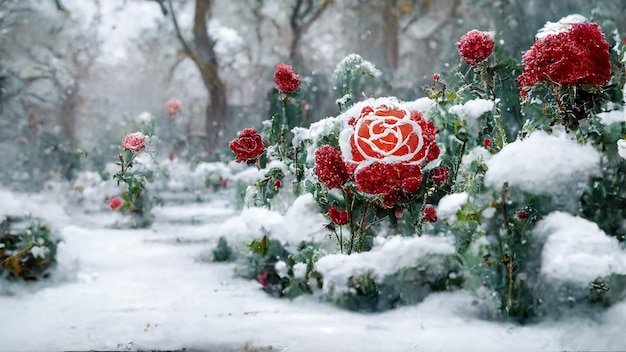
28 248
501 172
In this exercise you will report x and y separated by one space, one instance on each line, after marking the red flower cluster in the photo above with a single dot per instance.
339 217
578 56
389 180
134 142
248 146
440 175
430 214
330 168
475 47
285 79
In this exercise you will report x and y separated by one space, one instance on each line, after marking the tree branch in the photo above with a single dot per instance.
186 48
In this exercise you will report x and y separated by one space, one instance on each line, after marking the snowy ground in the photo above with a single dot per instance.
149 289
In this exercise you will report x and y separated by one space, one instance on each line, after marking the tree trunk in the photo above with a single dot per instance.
206 61
390 34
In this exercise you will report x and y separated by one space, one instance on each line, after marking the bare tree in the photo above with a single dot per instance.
303 14
202 52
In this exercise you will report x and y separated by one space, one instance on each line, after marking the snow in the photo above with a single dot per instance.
450 204
421 104
148 289
253 223
473 109
527 164
561 25
621 148
611 117
577 250
386 258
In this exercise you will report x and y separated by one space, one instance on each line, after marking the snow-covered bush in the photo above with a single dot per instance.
28 248
528 176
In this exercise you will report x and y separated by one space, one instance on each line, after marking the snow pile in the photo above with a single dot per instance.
544 164
422 104
472 109
182 177
42 205
302 222
611 117
577 250
386 258
450 204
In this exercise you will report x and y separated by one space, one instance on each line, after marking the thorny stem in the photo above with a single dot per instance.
458 162
505 217
283 129
350 201
496 113
341 239
509 293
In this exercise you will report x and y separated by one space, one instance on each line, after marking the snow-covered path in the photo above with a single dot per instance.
148 289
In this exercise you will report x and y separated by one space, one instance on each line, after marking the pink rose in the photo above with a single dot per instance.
173 106
134 142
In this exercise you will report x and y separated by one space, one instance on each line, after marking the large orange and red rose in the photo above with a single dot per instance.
386 132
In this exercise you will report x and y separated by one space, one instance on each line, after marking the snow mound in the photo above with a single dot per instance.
544 164
611 117
473 108
450 204
392 255
577 250
302 222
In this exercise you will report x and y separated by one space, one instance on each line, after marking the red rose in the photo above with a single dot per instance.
475 47
388 180
248 146
436 77
430 214
285 79
440 175
386 132
115 203
339 217
579 55
262 277
134 142
521 214
330 168
278 184
486 143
